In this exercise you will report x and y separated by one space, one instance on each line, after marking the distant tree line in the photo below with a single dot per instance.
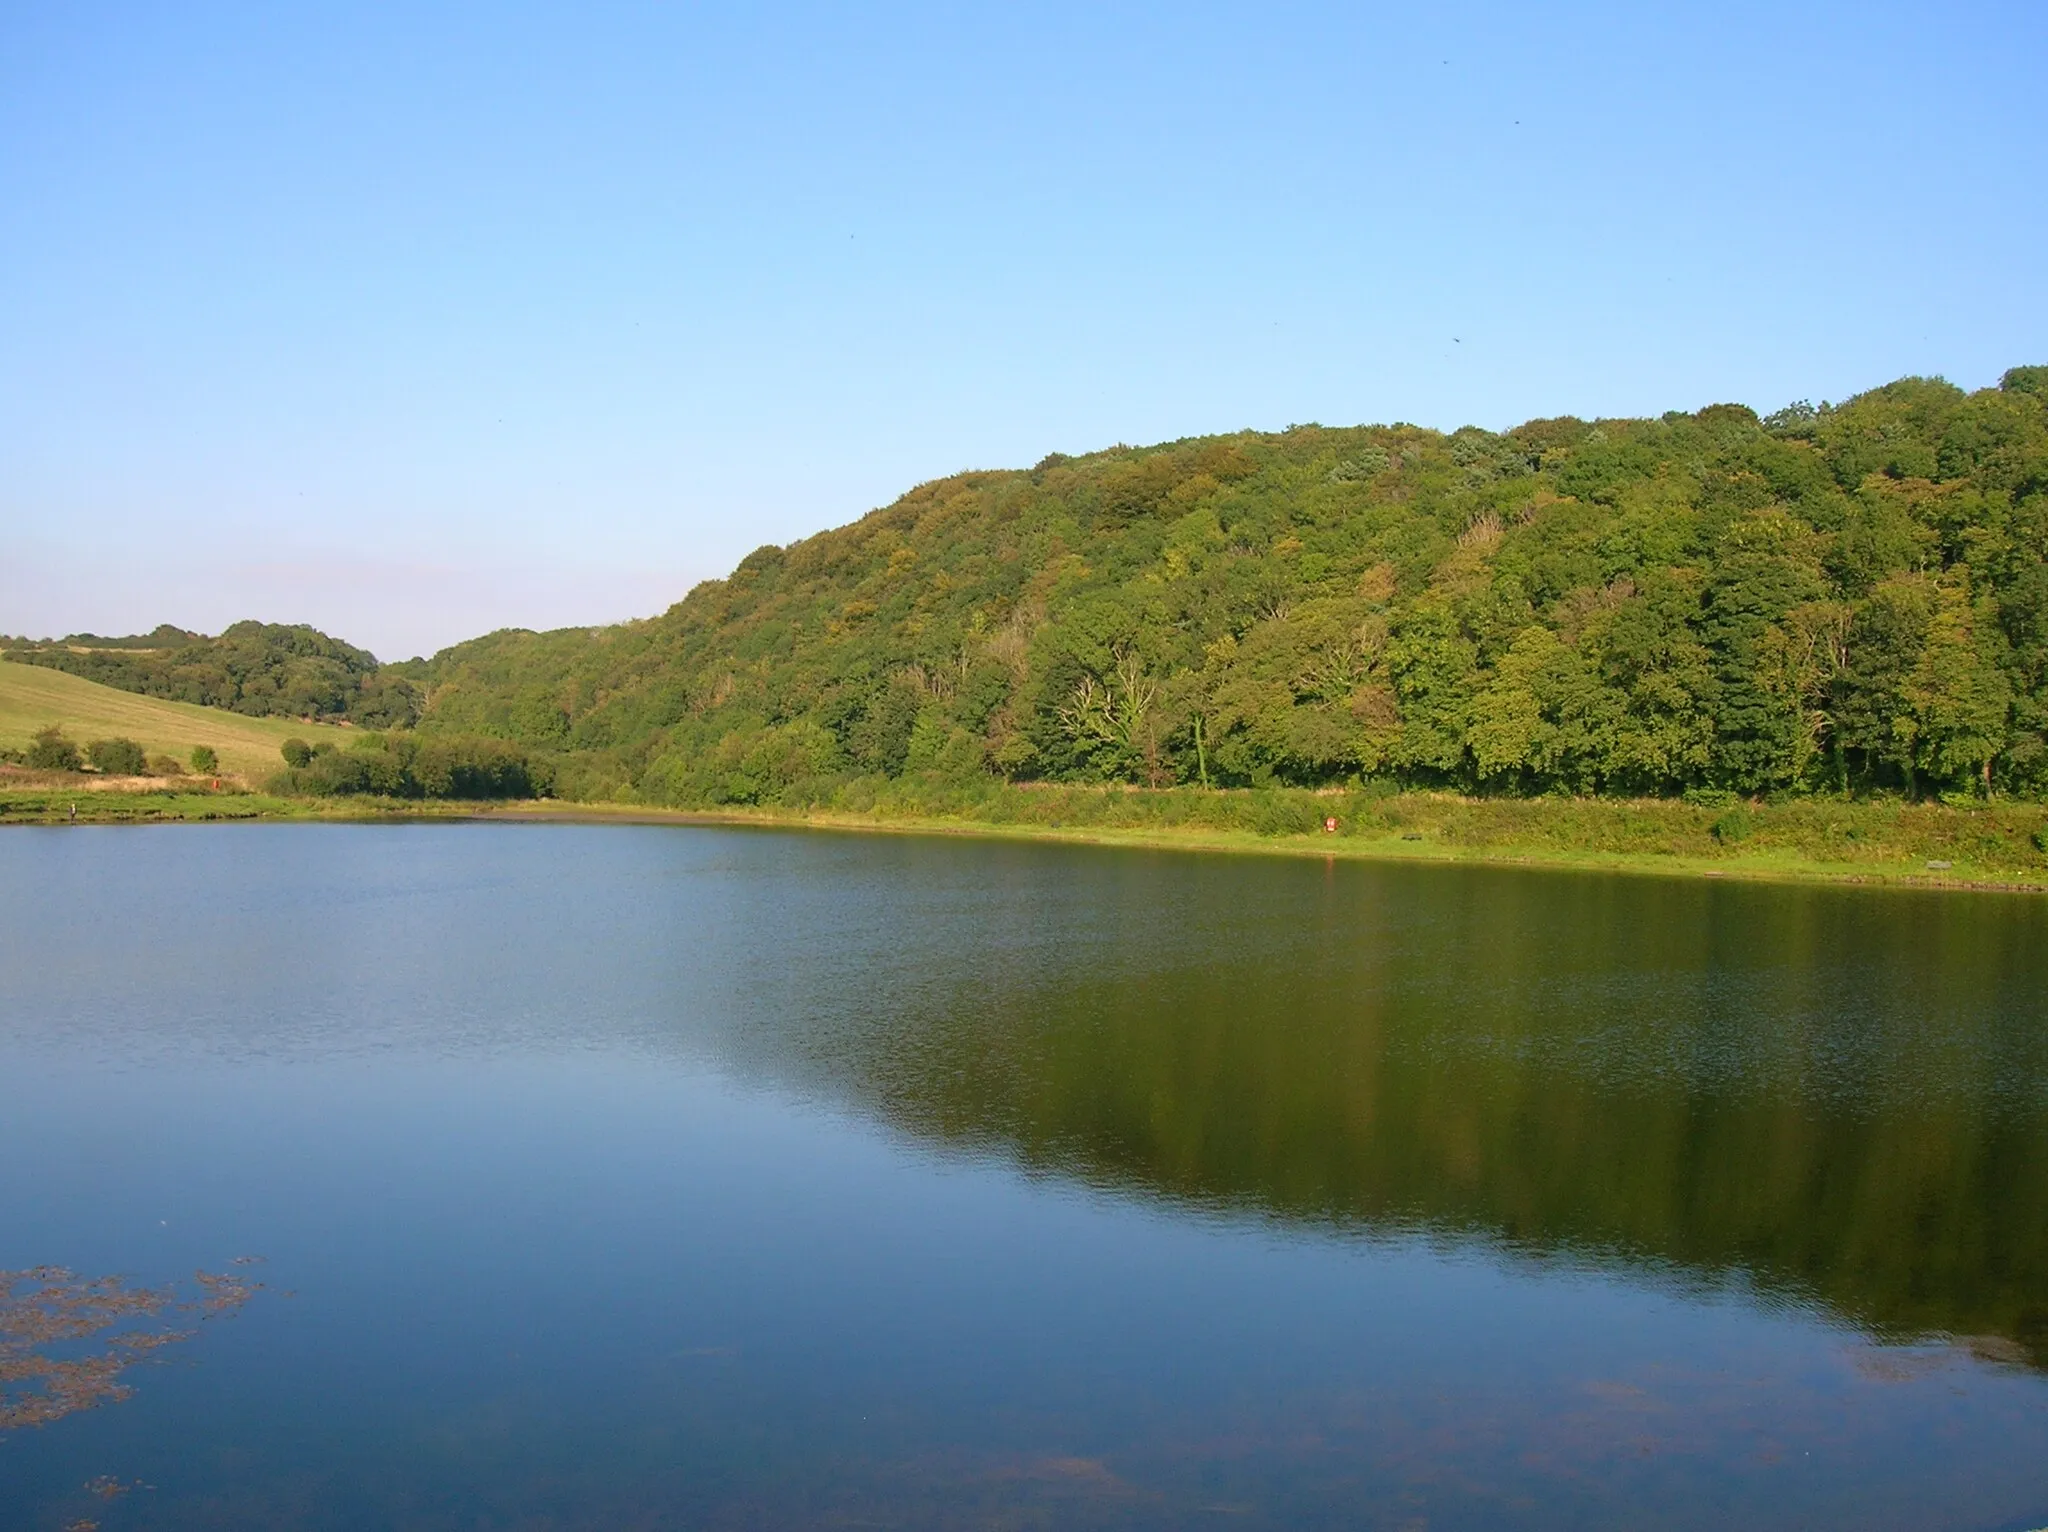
384 765
1847 599
52 750
409 766
255 668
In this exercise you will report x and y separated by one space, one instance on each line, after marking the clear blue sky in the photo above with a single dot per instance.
415 321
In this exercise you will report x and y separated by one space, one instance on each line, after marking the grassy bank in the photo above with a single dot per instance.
59 805
1935 845
1927 845
95 803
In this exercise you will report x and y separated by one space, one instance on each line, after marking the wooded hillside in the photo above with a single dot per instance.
1846 598
260 669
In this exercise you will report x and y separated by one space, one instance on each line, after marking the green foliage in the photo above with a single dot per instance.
1732 825
51 751
254 668
1839 599
205 759
405 766
296 752
118 757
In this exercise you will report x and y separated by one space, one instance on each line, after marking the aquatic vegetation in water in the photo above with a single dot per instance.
66 1340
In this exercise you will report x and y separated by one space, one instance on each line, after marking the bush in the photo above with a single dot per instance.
333 774
2040 839
1279 813
1733 826
440 767
205 759
51 751
296 752
118 757
165 766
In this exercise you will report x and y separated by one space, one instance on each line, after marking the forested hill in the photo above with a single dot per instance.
1853 597
256 668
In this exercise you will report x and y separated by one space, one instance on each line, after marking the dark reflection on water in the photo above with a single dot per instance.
1832 1094
644 1177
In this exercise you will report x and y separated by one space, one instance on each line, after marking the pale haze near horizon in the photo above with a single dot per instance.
420 323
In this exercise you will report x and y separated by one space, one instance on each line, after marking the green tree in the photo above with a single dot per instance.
1641 606
49 750
1799 660
1958 694
1510 734
118 757
1768 565
1873 716
1115 719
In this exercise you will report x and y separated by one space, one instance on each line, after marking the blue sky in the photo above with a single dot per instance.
417 321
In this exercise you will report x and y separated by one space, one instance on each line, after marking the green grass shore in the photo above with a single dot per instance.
1919 846
113 804
1984 846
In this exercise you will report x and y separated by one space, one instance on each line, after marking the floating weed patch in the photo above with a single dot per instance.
67 1340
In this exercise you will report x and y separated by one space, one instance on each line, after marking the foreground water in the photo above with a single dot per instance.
650 1177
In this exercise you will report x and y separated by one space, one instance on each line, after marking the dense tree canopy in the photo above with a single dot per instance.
409 766
261 669
1848 598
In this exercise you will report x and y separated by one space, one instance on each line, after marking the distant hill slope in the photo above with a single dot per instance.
266 670
32 698
1854 595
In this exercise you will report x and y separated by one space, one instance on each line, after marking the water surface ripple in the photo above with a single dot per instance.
617 1177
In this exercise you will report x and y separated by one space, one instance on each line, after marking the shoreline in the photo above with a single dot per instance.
1747 869
1436 844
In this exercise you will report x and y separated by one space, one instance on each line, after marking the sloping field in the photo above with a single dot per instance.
32 697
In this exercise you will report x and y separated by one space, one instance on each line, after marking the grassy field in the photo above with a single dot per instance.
32 697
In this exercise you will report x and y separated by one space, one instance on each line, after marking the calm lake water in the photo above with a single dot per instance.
637 1177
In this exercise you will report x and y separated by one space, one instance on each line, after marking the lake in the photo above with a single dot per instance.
637 1177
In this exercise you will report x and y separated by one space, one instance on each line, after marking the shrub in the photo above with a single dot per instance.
1272 813
472 768
165 766
334 774
439 767
2040 839
118 757
51 751
1733 825
296 752
205 759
